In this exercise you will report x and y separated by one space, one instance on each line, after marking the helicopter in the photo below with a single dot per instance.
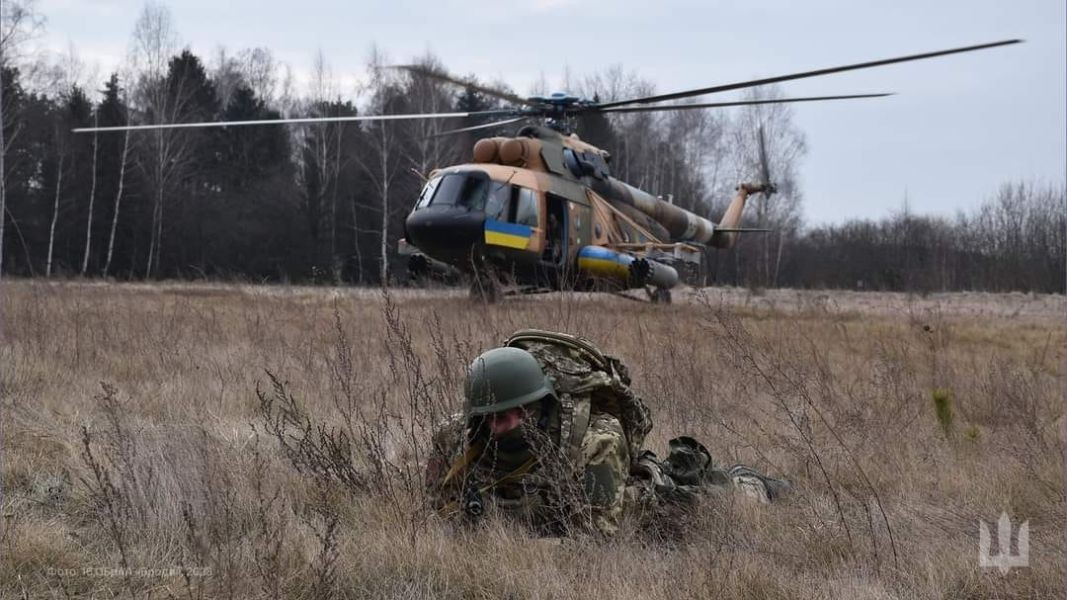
540 211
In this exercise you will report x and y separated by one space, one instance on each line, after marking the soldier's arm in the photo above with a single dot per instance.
604 464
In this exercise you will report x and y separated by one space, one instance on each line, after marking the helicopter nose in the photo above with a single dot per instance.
445 233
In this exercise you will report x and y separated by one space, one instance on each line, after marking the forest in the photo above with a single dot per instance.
325 203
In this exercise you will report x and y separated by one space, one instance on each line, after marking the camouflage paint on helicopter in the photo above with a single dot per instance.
542 210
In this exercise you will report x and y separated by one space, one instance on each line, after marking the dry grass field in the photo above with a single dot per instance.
139 461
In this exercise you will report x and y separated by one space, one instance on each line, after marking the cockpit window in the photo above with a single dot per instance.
457 189
525 208
496 205
474 190
427 193
449 191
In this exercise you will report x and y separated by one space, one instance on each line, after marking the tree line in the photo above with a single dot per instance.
325 203
1015 240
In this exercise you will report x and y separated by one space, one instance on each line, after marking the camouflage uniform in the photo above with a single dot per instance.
552 497
577 458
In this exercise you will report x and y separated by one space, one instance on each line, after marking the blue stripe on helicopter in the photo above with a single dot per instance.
508 228
602 262
509 235
598 253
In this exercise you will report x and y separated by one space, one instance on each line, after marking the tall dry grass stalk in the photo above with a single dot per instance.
200 441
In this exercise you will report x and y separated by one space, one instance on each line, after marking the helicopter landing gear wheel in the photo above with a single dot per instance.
485 289
418 269
660 296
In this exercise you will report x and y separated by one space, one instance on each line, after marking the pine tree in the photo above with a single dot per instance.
247 227
179 161
11 97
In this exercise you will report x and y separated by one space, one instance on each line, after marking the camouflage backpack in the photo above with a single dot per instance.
586 381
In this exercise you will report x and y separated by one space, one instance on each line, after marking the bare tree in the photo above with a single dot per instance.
324 91
318 156
429 149
260 72
253 67
636 137
226 73
288 101
385 146
383 161
168 152
540 86
785 146
20 22
69 71
695 158
92 197
60 149
118 201
68 77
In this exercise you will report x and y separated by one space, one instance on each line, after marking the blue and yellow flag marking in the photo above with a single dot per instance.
509 235
602 262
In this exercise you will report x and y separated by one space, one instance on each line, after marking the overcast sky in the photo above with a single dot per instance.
960 126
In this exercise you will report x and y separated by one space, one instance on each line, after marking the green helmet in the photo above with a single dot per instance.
504 378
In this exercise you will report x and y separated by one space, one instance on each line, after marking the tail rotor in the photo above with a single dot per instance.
766 185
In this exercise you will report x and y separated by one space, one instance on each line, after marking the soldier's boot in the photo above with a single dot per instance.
688 461
688 471
757 485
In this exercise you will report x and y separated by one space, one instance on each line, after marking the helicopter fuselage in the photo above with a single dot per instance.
543 211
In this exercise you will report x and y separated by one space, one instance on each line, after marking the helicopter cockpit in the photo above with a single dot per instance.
454 207
475 191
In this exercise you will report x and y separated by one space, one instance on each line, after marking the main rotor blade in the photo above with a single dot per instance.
816 73
627 109
455 115
488 91
477 127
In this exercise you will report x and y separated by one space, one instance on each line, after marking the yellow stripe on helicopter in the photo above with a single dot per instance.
602 262
508 235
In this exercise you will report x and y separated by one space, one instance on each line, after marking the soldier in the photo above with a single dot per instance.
551 434
553 239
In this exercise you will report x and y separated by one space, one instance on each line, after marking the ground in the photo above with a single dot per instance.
200 440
